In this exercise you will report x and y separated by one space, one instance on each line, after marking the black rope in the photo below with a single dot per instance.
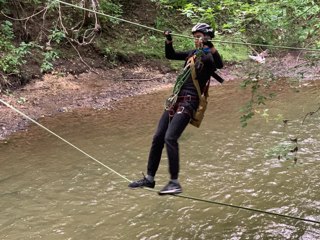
239 207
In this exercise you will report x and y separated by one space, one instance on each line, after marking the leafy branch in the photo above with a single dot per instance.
258 96
62 28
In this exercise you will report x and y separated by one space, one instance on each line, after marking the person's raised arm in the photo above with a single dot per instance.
169 50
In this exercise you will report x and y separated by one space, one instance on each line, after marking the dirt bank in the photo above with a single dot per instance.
97 90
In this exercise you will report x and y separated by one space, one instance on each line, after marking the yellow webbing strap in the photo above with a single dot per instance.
194 78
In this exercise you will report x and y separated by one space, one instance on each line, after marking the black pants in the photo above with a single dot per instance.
168 132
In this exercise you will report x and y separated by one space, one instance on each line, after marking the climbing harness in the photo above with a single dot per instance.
181 79
193 63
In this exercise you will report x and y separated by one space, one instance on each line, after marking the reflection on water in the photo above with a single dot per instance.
48 190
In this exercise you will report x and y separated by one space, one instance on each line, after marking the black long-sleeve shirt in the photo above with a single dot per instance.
211 62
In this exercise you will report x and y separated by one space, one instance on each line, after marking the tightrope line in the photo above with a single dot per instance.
180 35
61 138
153 190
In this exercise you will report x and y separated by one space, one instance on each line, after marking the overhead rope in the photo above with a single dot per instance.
116 18
153 190
180 35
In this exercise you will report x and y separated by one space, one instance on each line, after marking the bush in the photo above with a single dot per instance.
11 56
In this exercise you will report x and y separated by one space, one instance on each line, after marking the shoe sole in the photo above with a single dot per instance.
169 192
138 187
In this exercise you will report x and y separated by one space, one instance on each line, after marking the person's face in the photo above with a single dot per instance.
198 37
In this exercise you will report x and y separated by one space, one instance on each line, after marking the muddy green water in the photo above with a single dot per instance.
50 191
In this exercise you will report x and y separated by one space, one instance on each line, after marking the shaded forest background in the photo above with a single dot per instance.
38 36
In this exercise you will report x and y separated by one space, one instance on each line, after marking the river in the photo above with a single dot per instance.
49 190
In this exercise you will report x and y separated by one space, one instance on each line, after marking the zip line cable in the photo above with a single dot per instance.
153 190
180 35
118 19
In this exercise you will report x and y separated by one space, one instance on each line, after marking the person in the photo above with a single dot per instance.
176 117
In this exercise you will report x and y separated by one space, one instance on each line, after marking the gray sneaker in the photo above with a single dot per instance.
171 188
142 183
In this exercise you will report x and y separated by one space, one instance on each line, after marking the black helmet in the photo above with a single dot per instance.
204 28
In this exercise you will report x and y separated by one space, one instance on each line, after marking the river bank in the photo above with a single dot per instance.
98 89
101 89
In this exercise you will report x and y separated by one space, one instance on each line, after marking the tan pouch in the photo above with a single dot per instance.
199 113
203 102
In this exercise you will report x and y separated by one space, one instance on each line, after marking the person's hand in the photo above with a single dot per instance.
167 34
207 41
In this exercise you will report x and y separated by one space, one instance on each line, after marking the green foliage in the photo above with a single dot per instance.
110 54
149 45
6 31
199 14
56 36
49 57
289 22
51 3
183 43
172 3
231 53
284 150
113 8
2 3
162 22
35 1
12 57
12 60
258 81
